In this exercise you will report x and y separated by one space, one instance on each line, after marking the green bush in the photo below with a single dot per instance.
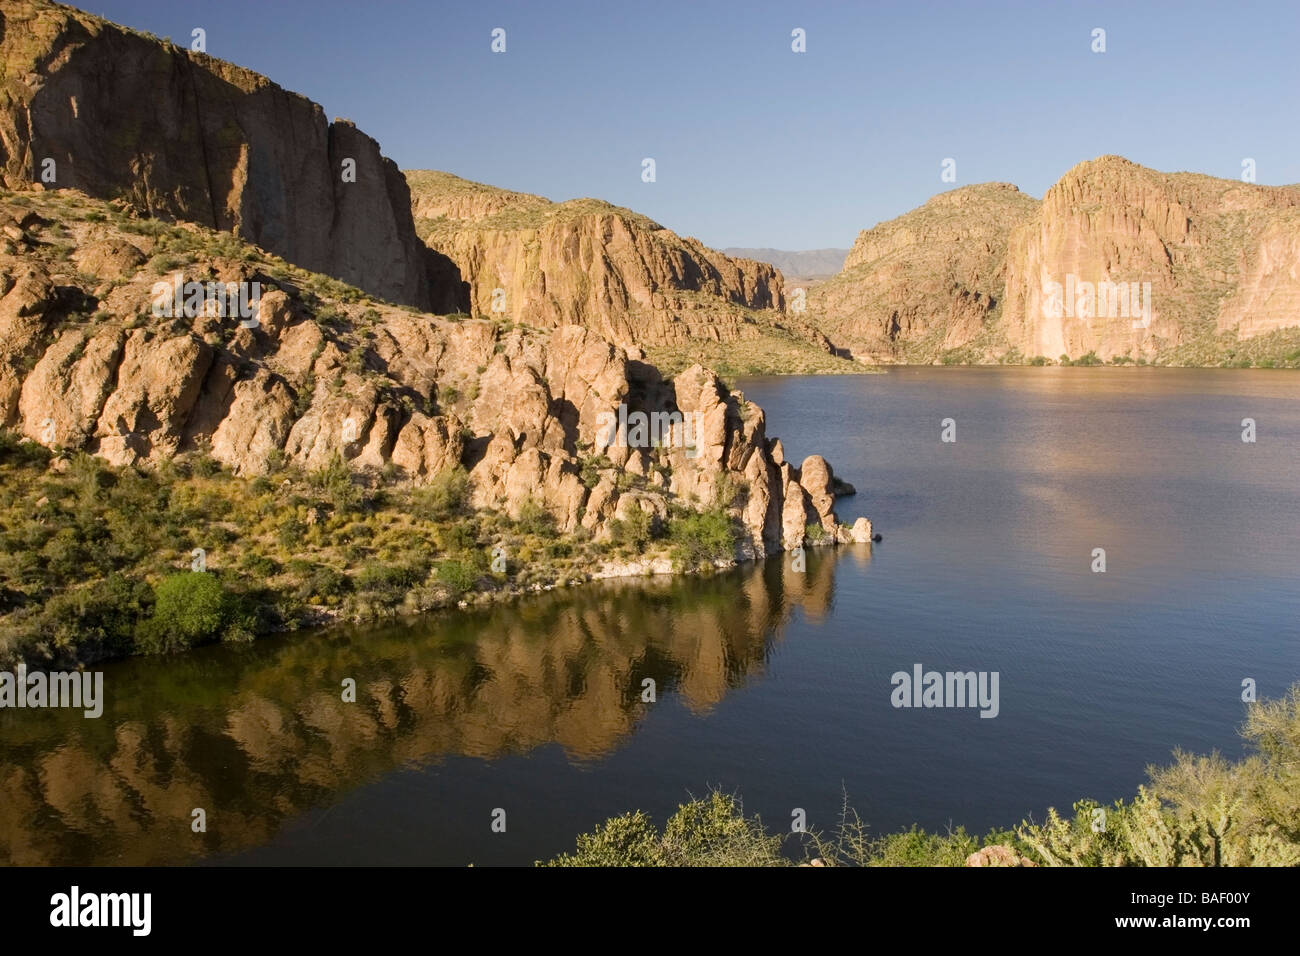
634 532
190 608
458 576
709 832
700 538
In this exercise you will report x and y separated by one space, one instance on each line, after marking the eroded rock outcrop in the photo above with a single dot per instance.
537 419
998 854
1219 255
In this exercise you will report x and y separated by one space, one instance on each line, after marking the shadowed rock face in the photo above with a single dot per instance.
182 135
972 270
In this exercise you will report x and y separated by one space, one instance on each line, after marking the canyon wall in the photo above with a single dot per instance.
117 114
586 262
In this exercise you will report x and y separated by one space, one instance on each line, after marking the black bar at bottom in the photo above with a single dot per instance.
331 905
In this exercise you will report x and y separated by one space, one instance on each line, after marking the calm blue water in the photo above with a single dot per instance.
771 683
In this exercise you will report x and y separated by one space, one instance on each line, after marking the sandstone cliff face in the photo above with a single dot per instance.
1219 256
85 363
585 262
925 282
183 135
985 272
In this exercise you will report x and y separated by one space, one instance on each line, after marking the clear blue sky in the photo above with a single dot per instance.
756 145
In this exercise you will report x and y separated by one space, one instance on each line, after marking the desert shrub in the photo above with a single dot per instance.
534 519
590 473
629 840
15 450
190 608
460 536
102 616
320 582
634 532
334 483
205 466
384 586
702 537
163 264
459 576
258 565
712 831
445 496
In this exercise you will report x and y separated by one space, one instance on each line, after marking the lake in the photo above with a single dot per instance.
771 683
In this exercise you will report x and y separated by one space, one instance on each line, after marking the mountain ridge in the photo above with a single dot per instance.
807 263
977 273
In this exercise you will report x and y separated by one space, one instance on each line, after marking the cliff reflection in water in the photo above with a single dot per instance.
256 736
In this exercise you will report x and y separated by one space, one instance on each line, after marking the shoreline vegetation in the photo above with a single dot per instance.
101 562
1198 811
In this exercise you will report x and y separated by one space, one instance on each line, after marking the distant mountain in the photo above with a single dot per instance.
808 263
1202 271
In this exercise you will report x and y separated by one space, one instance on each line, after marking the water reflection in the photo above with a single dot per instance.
258 735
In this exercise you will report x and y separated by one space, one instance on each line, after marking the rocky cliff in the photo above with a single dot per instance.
1221 256
86 362
586 262
1196 270
90 105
